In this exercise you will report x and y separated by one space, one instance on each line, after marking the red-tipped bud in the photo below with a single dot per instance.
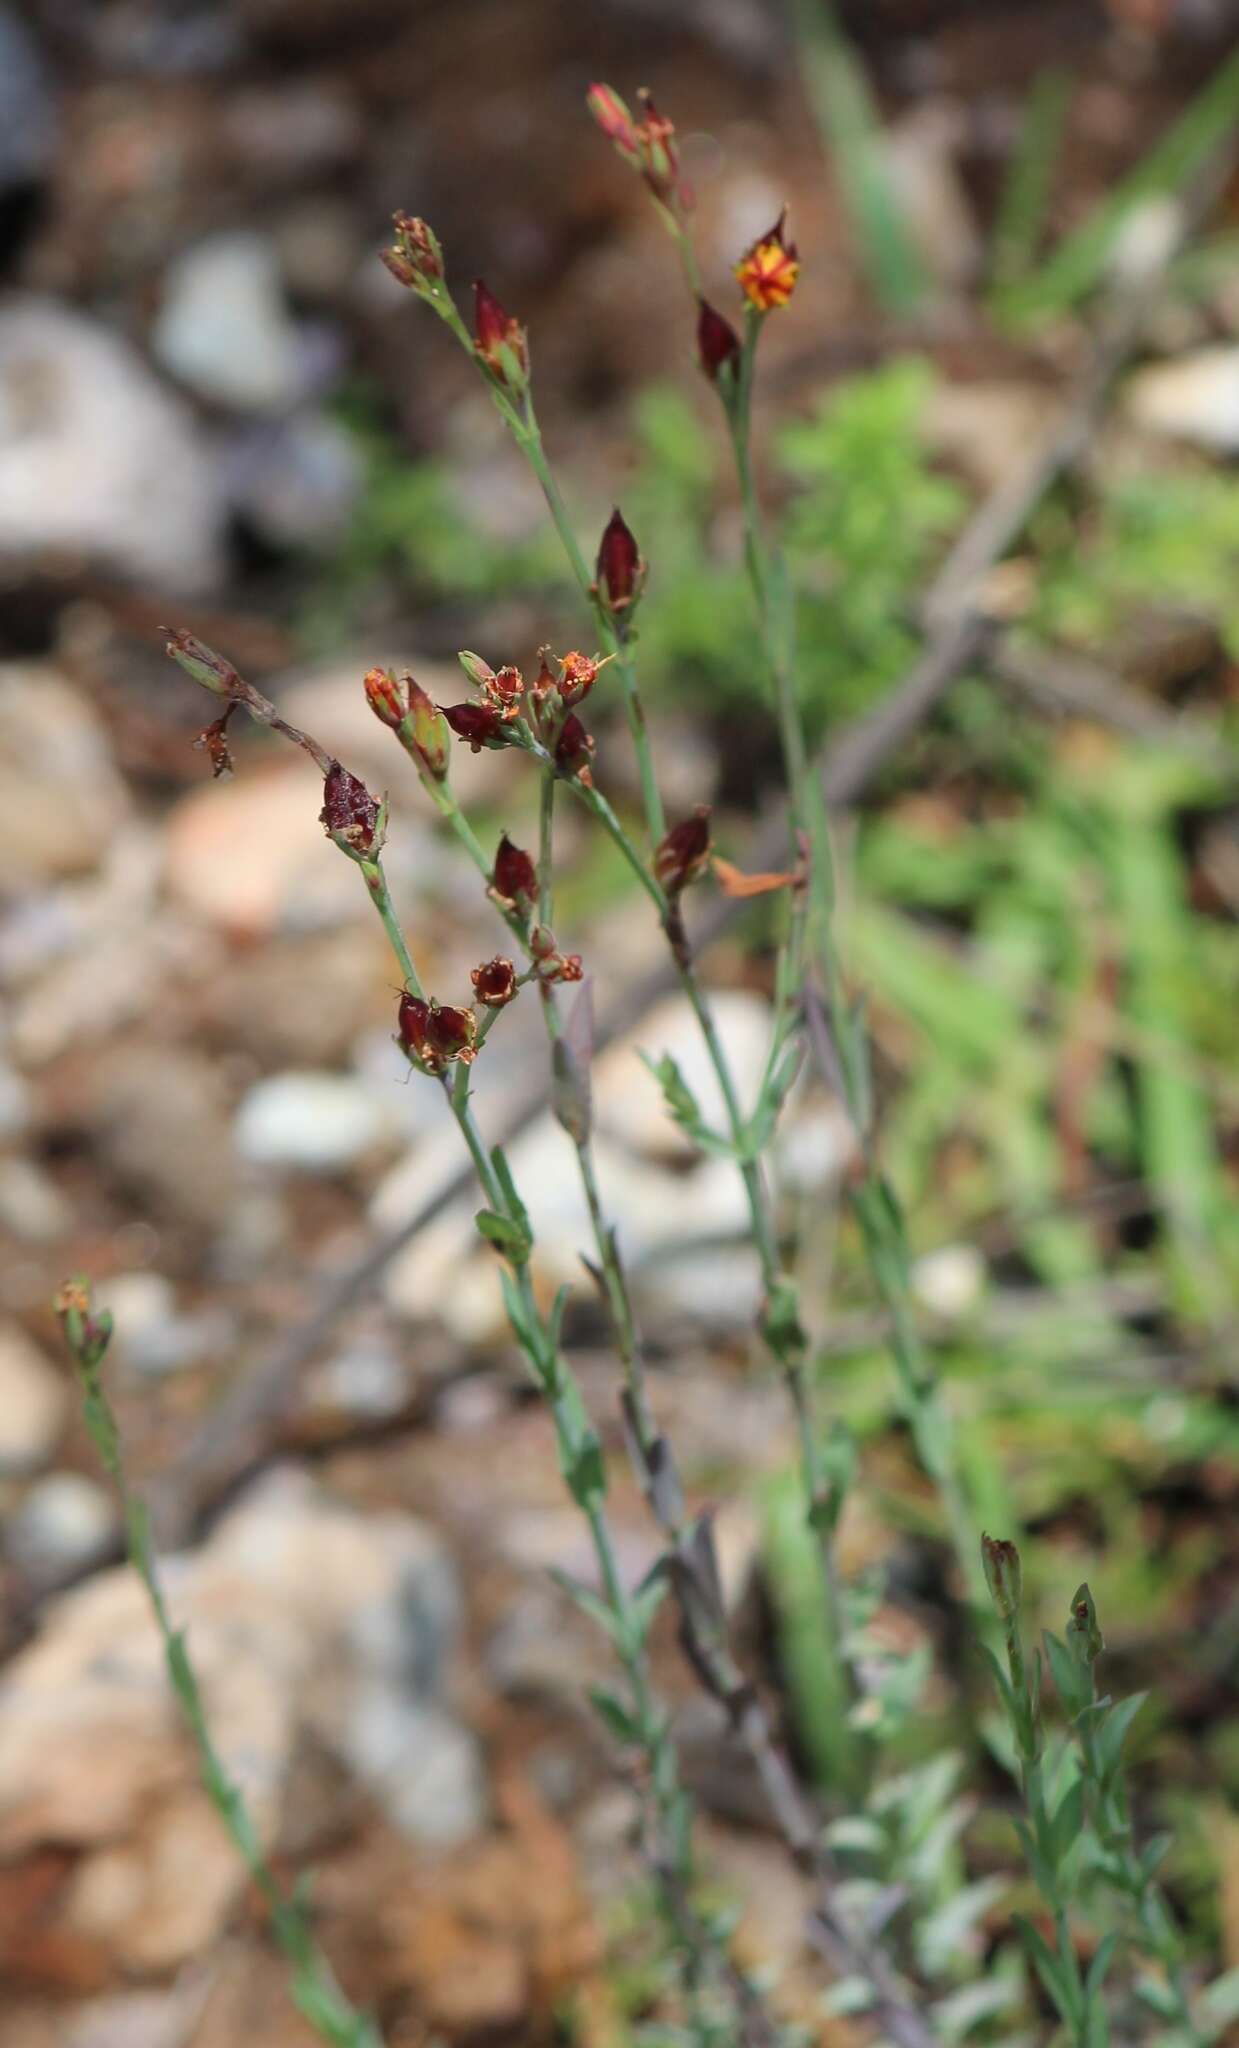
479 672
388 699
481 725
87 1333
574 749
682 855
578 673
615 121
494 982
620 574
552 965
1003 1576
415 258
425 732
351 816
514 877
718 344
499 340
204 665
768 271
660 162
434 1034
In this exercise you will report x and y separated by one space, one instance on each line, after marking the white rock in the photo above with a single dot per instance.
154 1337
420 1763
32 1208
14 1104
33 1399
62 1523
223 328
61 800
306 1622
949 1281
309 1122
96 458
1195 398
250 856
922 155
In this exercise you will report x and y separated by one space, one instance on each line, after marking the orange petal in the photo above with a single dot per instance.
734 882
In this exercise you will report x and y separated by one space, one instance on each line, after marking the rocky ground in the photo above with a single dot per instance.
200 1102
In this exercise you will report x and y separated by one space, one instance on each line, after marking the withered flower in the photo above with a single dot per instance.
718 344
499 340
574 749
350 815
415 258
768 271
505 690
494 982
435 1034
681 856
577 674
1003 1576
514 877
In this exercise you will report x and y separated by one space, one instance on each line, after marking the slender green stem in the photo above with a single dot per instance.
529 439
313 1984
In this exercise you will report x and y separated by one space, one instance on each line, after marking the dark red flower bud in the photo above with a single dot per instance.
415 258
515 878
435 1034
499 339
480 724
388 699
1003 1576
577 674
494 982
574 749
718 344
682 855
621 570
351 816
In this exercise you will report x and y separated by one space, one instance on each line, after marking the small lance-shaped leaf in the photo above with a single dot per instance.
761 1124
509 1238
1068 1823
1114 1730
617 1716
682 1106
645 1604
580 1453
1100 1965
1049 1967
1073 1680
511 1200
589 1602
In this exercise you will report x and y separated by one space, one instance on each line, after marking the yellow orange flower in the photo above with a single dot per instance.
768 271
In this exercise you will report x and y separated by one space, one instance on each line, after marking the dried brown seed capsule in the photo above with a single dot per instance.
494 982
620 571
481 725
514 877
681 856
350 815
718 344
499 339
574 749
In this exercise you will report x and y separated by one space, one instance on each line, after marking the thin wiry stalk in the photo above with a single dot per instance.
312 1982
